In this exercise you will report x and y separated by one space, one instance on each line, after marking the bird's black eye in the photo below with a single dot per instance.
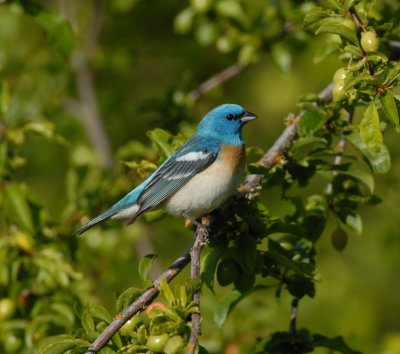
230 116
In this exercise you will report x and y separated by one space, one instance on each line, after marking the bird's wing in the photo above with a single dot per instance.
195 156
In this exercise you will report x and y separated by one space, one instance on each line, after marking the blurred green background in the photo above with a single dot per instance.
136 64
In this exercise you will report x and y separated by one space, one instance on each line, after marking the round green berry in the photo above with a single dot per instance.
369 41
338 92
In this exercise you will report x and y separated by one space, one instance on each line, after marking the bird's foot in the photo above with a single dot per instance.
199 225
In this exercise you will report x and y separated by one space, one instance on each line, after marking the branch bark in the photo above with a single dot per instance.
293 316
195 273
215 80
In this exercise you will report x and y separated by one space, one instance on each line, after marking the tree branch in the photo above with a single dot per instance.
341 145
293 316
195 273
215 80
140 303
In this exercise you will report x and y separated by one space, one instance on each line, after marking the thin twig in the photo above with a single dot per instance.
293 316
84 82
140 303
195 274
215 80
341 145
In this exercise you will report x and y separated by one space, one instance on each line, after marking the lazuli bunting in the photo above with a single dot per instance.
197 178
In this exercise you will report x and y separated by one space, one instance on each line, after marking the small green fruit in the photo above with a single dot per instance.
340 74
156 343
201 6
339 239
174 345
244 282
369 41
227 272
12 343
338 92
7 308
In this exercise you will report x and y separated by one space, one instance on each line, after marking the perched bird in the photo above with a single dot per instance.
197 178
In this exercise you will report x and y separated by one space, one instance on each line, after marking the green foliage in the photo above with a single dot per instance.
325 179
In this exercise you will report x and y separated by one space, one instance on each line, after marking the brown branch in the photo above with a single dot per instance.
215 80
293 316
341 145
140 303
195 273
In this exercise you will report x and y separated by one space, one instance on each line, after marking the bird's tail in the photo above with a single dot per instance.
98 219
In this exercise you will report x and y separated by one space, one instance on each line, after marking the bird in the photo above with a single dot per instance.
195 180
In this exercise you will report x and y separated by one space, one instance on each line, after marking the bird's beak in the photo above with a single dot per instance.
247 117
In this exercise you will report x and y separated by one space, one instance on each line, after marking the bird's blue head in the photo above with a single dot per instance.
225 123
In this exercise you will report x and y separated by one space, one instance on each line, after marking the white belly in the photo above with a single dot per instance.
206 191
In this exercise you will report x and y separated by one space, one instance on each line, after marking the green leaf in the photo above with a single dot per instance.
65 313
281 57
116 338
245 252
370 130
184 20
225 305
337 344
315 16
162 140
277 252
389 107
58 31
100 312
307 141
379 162
107 350
229 8
5 98
351 219
310 122
365 177
377 56
354 51
165 289
127 297
324 51
16 206
87 322
210 264
64 345
339 29
145 264
299 286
